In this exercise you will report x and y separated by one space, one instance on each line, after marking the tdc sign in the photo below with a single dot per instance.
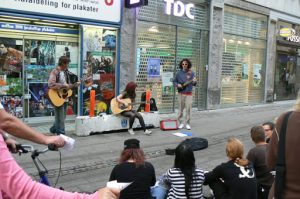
177 8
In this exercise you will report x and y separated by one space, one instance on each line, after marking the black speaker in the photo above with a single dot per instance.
135 4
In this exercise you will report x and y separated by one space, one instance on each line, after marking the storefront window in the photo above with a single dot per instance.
287 68
99 63
243 61
11 68
168 39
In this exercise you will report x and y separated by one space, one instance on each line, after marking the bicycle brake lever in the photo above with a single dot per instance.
52 147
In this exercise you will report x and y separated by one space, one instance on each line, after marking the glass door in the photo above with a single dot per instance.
39 60
285 74
40 57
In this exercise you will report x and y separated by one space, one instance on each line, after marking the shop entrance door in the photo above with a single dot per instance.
286 74
41 55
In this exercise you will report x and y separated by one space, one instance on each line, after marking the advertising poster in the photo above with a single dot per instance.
153 69
38 103
70 50
39 60
99 63
11 68
13 105
11 57
167 83
39 52
256 75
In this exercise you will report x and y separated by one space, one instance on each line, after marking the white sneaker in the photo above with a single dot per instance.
147 132
181 126
188 127
131 132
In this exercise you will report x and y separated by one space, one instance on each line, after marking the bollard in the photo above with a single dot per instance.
147 105
92 103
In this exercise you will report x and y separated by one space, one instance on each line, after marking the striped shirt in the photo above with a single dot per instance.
177 191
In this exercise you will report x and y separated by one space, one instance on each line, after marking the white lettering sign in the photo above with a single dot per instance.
179 9
96 10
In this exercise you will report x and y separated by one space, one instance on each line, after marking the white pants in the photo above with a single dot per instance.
185 102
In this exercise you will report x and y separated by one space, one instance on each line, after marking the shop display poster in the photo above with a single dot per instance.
153 69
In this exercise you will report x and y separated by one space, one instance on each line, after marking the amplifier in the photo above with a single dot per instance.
170 124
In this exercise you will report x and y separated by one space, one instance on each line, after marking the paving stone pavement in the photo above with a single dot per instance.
88 166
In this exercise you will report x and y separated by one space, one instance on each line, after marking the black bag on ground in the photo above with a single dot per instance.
196 143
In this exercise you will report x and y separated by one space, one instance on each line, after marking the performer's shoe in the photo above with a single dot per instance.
131 132
147 132
181 126
52 130
188 127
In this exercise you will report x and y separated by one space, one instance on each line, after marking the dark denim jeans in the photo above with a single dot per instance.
60 117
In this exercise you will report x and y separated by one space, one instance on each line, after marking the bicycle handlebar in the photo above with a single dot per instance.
25 148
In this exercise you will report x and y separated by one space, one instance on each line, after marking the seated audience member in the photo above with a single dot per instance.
185 178
269 127
14 182
133 168
292 150
234 179
153 106
257 156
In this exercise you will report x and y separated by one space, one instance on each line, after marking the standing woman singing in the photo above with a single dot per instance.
129 92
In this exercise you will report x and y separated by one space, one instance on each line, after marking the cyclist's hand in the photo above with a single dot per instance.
57 140
109 193
11 145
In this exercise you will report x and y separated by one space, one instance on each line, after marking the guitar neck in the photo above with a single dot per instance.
188 82
135 103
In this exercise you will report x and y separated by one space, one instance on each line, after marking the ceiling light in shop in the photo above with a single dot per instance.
231 41
247 43
153 29
239 42
57 22
49 24
14 20
19 18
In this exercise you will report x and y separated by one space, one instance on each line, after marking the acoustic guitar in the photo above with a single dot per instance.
117 107
58 96
184 85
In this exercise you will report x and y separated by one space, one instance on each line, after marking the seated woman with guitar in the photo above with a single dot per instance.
129 93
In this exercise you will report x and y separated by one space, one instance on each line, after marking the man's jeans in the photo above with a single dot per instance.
60 116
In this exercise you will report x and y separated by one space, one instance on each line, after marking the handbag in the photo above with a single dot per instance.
280 165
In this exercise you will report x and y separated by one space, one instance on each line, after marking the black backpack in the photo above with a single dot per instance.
196 143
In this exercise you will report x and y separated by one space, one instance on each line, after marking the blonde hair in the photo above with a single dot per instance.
235 151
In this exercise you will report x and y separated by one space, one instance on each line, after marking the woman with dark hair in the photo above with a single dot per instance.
129 93
133 168
185 178
184 81
234 179
269 128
